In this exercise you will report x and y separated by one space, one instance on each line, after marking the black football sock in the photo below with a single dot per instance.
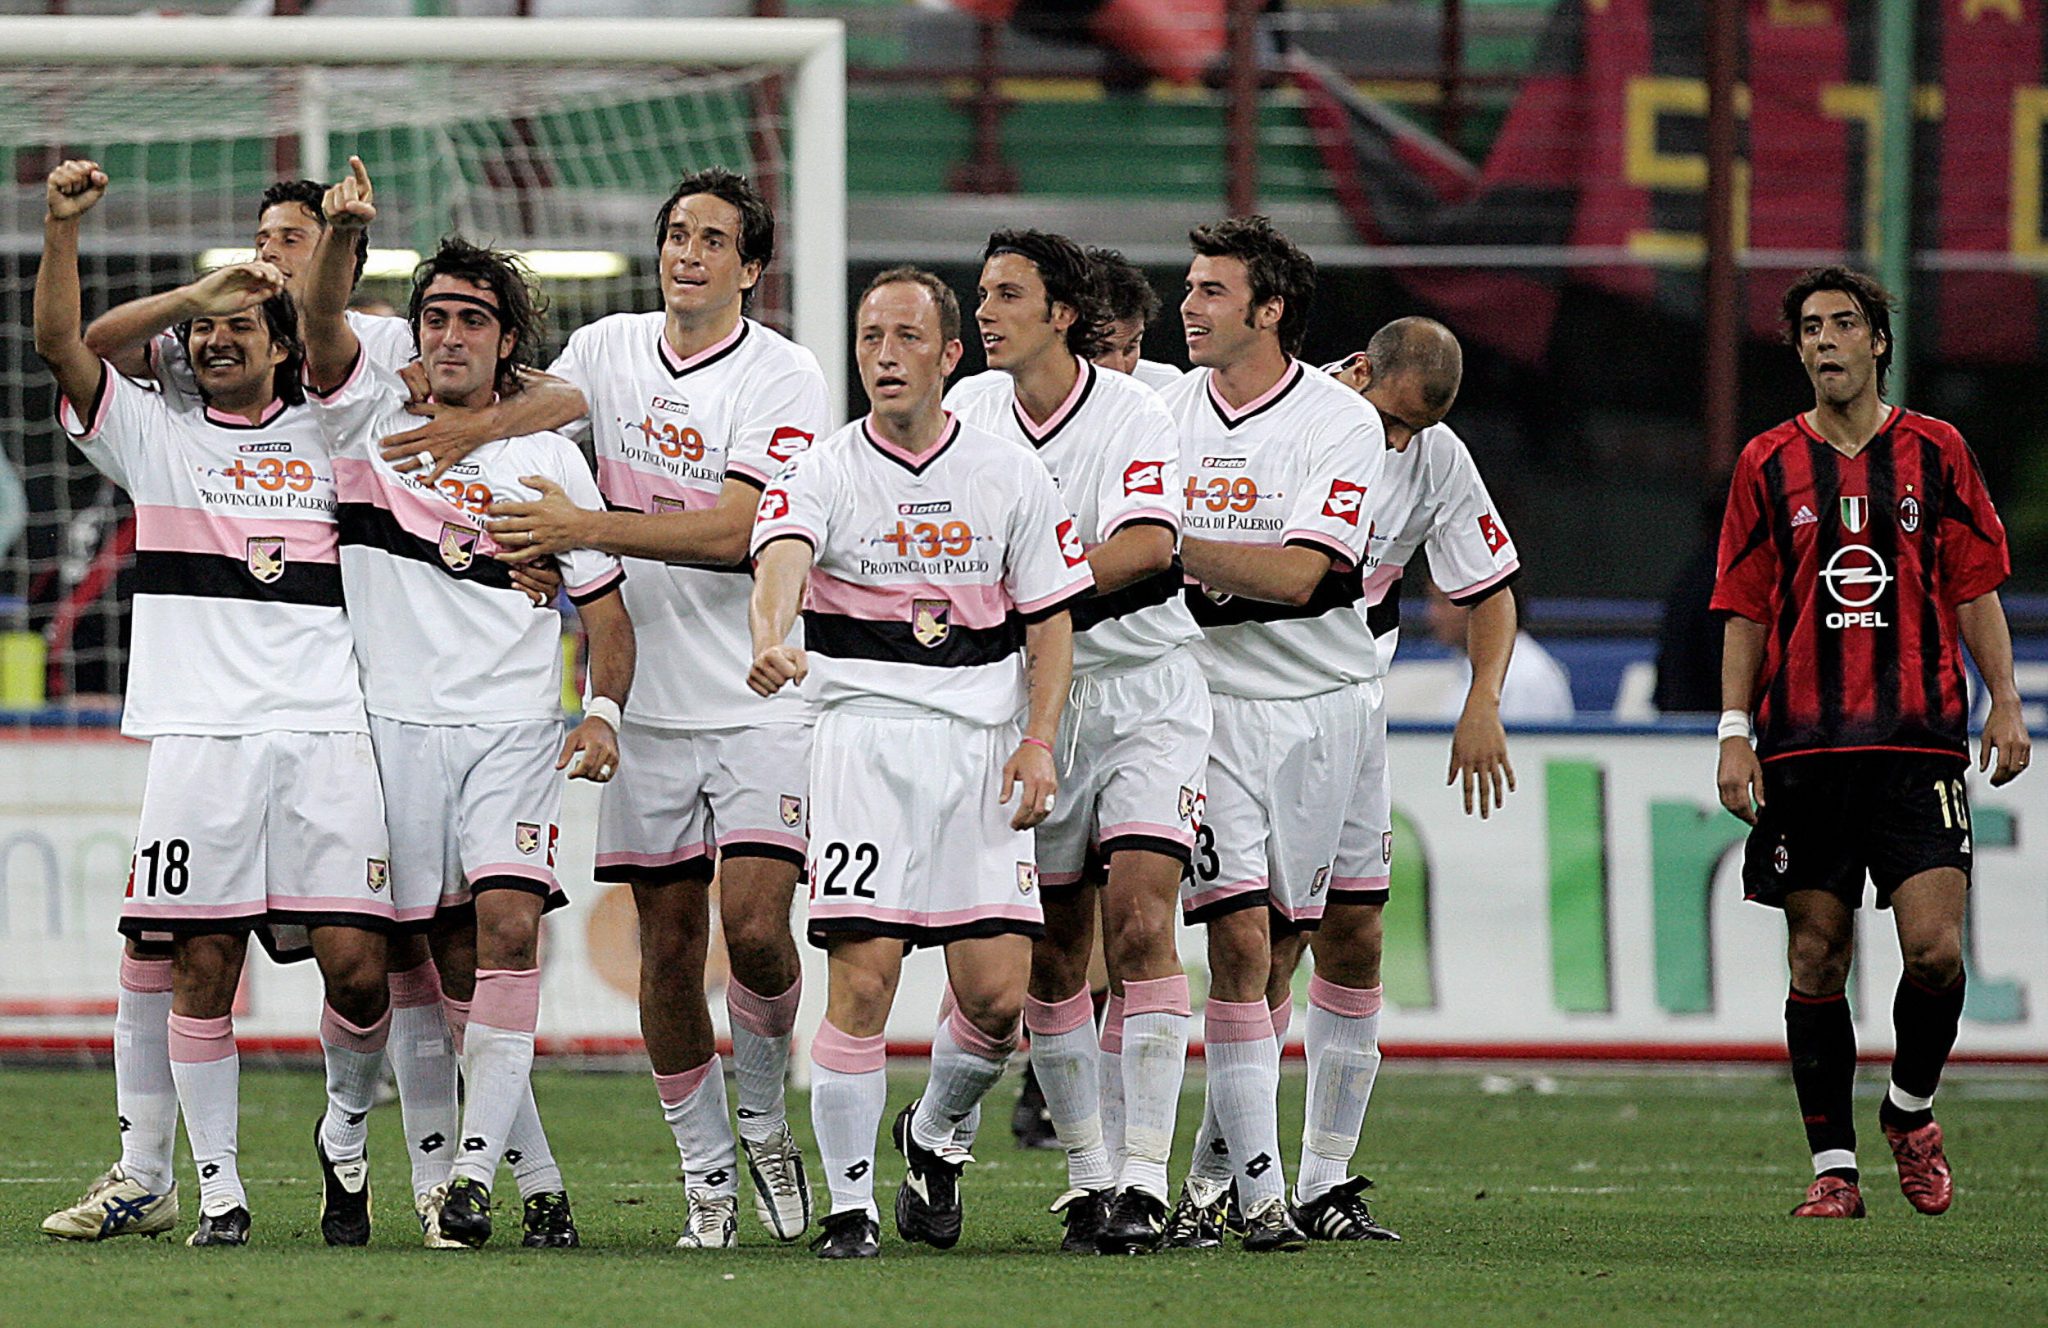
1822 1041
1924 1025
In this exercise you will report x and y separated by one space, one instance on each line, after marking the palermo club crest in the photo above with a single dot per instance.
265 557
527 837
458 546
792 810
931 621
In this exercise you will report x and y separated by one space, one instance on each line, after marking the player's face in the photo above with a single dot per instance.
460 343
1126 342
904 359
286 235
1016 322
1217 315
1403 410
1837 347
701 272
233 357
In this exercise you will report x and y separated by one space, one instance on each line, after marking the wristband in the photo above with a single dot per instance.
604 708
1734 724
1038 742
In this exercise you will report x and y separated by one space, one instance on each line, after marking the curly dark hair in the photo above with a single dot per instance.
1277 267
310 194
1869 294
281 319
1069 279
1124 286
757 219
522 309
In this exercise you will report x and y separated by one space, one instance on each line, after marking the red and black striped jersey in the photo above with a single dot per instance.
1855 565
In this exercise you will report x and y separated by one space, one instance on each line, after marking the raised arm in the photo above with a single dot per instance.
69 194
608 630
552 523
1740 777
1479 745
781 570
1989 638
122 334
331 345
1288 574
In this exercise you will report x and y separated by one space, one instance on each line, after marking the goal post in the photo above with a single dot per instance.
811 51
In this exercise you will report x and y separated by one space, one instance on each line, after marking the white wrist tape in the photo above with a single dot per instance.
604 708
1734 724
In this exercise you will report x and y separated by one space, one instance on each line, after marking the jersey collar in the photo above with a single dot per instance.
916 465
1232 418
677 366
1883 430
225 420
1041 434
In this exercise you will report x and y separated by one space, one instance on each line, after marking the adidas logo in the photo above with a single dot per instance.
1804 516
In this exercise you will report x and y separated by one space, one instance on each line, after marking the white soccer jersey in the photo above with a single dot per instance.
668 434
443 634
386 339
1115 458
925 570
1155 375
1430 495
237 617
1296 466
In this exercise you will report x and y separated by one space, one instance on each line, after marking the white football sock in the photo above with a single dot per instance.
761 1027
497 1066
1109 1078
1244 1083
966 1063
355 1062
208 1073
145 1095
422 1056
1154 1061
1064 1048
1343 1043
693 1104
527 1152
849 1089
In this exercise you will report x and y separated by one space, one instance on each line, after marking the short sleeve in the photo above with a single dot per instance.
1045 569
1139 485
1747 565
795 505
586 573
575 366
385 338
123 419
786 414
1970 540
1329 511
1471 555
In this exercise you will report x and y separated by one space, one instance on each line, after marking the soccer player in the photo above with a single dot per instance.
936 568
1859 553
462 675
262 803
1430 496
1279 460
1133 741
692 409
1133 304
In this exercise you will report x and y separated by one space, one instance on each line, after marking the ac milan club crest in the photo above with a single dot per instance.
265 556
458 546
527 837
1909 514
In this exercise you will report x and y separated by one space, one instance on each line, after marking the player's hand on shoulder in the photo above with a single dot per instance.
350 204
775 666
1740 779
591 752
2005 732
1030 767
73 188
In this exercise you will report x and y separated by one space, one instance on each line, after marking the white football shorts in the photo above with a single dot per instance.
682 796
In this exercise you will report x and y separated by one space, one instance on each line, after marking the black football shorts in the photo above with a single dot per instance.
1830 818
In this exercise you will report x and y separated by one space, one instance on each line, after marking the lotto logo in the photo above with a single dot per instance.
1490 531
1344 501
857 1170
786 442
433 1143
1259 1165
774 506
1070 544
1145 477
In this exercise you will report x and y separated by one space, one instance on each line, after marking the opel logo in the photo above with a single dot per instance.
1856 576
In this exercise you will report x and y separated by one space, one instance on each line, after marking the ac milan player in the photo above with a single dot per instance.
1860 550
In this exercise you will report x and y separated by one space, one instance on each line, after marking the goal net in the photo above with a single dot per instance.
558 139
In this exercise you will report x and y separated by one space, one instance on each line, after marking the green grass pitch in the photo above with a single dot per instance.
1627 1197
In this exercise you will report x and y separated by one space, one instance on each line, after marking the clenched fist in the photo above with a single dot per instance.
73 189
